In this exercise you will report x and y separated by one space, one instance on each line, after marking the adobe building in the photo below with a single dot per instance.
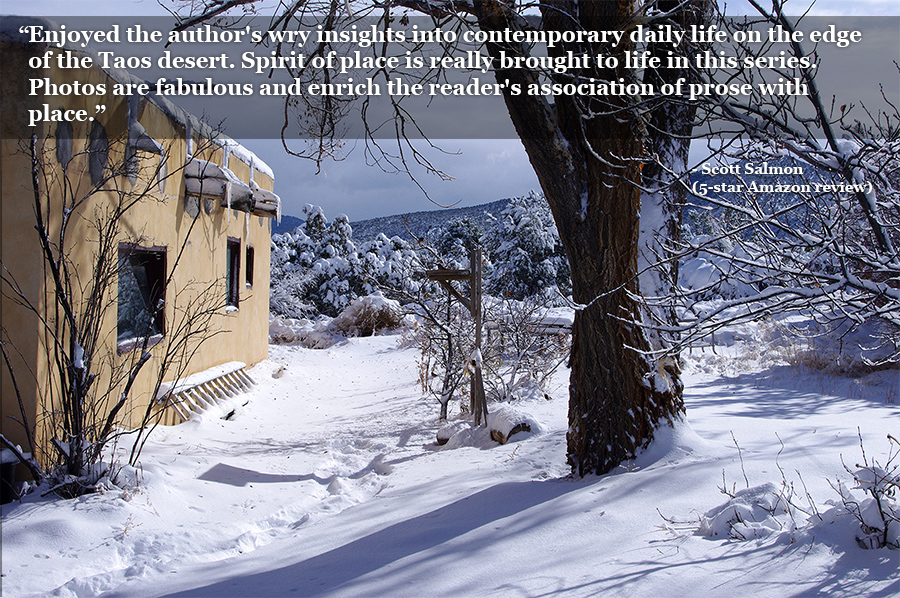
191 243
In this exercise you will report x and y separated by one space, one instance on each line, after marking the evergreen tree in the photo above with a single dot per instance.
525 251
315 223
454 241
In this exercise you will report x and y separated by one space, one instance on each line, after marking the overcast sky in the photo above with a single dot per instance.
482 170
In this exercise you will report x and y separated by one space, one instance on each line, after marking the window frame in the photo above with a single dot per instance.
249 258
232 274
157 290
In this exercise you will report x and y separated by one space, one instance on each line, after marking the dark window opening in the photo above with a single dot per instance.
142 292
249 267
233 271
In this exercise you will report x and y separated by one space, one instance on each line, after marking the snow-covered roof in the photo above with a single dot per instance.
202 177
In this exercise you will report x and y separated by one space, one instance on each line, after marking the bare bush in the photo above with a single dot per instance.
445 342
526 349
877 511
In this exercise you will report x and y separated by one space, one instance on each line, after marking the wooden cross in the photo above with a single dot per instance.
473 304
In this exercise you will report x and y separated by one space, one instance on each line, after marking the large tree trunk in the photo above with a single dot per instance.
590 171
616 393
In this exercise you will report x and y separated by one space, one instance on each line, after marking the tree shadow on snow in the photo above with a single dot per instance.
747 569
787 392
222 473
342 566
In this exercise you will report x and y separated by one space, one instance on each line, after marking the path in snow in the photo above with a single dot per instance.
328 483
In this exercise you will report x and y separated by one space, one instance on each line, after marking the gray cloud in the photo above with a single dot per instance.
483 171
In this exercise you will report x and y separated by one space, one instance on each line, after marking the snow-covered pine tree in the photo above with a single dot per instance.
336 273
315 224
525 251
389 264
454 241
317 269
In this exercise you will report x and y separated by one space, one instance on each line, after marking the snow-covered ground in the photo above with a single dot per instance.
329 483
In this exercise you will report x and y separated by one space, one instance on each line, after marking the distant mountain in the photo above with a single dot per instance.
287 224
419 223
416 223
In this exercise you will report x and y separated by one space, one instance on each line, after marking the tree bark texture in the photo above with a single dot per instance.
587 154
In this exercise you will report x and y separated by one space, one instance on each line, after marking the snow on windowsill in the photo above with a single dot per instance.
131 344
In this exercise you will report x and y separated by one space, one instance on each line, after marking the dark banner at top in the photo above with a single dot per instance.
411 77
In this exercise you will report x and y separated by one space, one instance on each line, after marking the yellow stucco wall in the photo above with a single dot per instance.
17 220
158 219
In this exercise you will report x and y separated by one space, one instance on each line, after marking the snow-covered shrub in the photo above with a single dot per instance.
281 330
312 334
873 501
522 348
750 513
868 511
367 315
363 317
525 251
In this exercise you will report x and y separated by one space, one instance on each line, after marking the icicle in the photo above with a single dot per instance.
162 173
188 139
228 201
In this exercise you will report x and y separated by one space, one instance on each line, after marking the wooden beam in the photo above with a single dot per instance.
265 209
456 294
478 403
442 275
243 204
